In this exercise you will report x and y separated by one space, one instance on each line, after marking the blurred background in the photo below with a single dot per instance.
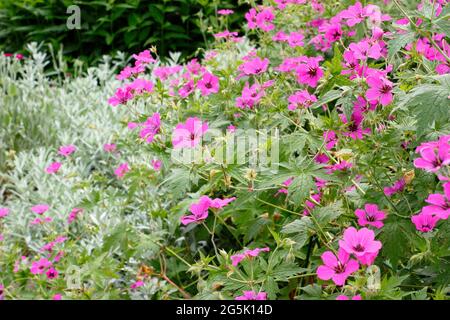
108 26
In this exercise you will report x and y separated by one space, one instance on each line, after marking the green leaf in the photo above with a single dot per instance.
399 42
327 97
395 241
299 230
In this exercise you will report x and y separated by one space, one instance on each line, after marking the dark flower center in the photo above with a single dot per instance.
385 89
358 248
312 72
192 136
340 268
370 218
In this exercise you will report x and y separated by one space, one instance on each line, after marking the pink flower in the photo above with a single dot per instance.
156 164
337 268
39 267
340 166
225 34
53 167
41 221
433 156
363 50
74 214
225 12
128 72
189 134
333 32
380 90
249 254
354 14
208 84
439 203
370 216
344 297
250 96
252 295
398 186
286 183
121 96
109 147
40 208
254 66
301 99
57 297
330 139
2 291
52 273
138 86
361 243
66 151
121 170
144 57
137 284
4 212
150 127
199 211
295 39
187 89
424 222
310 72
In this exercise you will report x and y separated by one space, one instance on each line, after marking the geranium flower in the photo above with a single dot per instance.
439 203
137 284
144 57
109 147
40 208
254 66
121 96
4 212
330 139
434 156
121 170
39 267
310 72
52 273
252 295
424 222
66 151
344 297
74 214
364 49
295 39
53 167
249 254
337 268
301 99
380 90
187 89
57 297
398 186
156 164
208 84
360 243
250 96
150 127
370 216
225 12
189 134
200 209
354 14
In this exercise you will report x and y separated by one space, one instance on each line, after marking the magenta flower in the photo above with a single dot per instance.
2 291
52 273
57 297
250 96
424 222
74 214
137 284
4 212
361 243
310 72
138 86
337 268
225 12
150 128
121 170
156 164
249 254
398 186
252 295
355 129
199 210
354 14
295 39
301 99
439 203
109 147
189 134
66 151
144 57
344 297
380 90
208 84
370 216
433 157
254 66
53 167
40 208
121 96
39 267
333 32
330 139
364 49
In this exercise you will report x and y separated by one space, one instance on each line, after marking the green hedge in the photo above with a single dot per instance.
111 25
